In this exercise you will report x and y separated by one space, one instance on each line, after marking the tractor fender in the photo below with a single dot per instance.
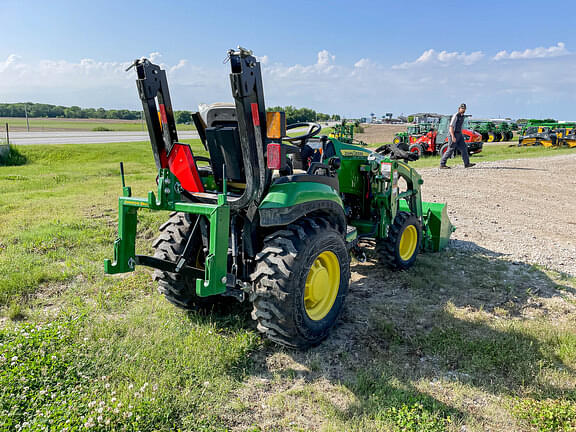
287 202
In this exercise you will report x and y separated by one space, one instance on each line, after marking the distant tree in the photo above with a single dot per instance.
295 115
183 117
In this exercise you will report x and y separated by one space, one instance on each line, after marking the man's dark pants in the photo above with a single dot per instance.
460 145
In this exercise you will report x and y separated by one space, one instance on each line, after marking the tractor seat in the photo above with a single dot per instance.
223 144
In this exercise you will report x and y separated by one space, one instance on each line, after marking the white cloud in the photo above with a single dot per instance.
325 58
155 57
363 63
442 58
435 81
532 53
263 59
181 64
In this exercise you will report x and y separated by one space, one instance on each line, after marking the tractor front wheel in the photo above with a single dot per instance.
396 140
300 283
416 149
400 249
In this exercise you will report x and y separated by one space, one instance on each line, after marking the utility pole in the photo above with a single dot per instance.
26 113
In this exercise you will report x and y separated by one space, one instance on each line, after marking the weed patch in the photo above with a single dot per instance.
12 158
547 415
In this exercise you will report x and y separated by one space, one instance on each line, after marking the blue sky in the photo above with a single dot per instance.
513 59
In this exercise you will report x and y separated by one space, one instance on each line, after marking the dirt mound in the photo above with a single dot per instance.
380 134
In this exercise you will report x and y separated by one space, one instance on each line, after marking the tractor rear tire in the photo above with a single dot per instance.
177 289
484 136
300 281
400 249
416 148
491 137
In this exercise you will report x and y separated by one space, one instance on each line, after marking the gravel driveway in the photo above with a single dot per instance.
522 208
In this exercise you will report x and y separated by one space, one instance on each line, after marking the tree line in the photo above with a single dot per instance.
59 111
293 114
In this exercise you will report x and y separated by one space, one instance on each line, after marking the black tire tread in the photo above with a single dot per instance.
168 246
385 248
272 300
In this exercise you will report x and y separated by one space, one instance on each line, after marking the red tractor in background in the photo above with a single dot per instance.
435 142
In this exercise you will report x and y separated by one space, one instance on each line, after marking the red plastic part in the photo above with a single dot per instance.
182 164
163 114
274 156
255 115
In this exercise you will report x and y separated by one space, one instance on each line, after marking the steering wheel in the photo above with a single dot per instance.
313 129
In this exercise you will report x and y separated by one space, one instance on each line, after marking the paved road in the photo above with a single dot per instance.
27 138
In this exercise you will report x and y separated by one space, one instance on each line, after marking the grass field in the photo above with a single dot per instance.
81 350
53 124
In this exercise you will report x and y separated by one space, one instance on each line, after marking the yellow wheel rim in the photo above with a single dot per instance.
408 242
322 285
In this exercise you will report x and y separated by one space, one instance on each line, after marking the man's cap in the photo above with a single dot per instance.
463 105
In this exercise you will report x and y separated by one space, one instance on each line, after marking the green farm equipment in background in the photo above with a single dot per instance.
543 123
413 132
505 131
493 131
269 219
344 132
548 134
485 128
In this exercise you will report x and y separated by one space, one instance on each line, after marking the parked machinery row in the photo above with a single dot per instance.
493 131
537 133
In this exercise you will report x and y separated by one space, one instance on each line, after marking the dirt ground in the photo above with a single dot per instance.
376 134
522 208
509 216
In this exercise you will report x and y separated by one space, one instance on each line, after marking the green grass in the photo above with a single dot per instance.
438 347
47 124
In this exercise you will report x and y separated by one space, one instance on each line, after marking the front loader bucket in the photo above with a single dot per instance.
438 227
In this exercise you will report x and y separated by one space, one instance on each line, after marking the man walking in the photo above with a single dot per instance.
456 140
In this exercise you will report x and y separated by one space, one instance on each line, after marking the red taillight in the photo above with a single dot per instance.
274 156
182 164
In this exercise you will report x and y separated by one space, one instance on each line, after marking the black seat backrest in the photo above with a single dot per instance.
224 146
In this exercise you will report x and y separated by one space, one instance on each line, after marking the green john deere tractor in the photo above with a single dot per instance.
267 218
487 129
344 131
413 131
505 131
